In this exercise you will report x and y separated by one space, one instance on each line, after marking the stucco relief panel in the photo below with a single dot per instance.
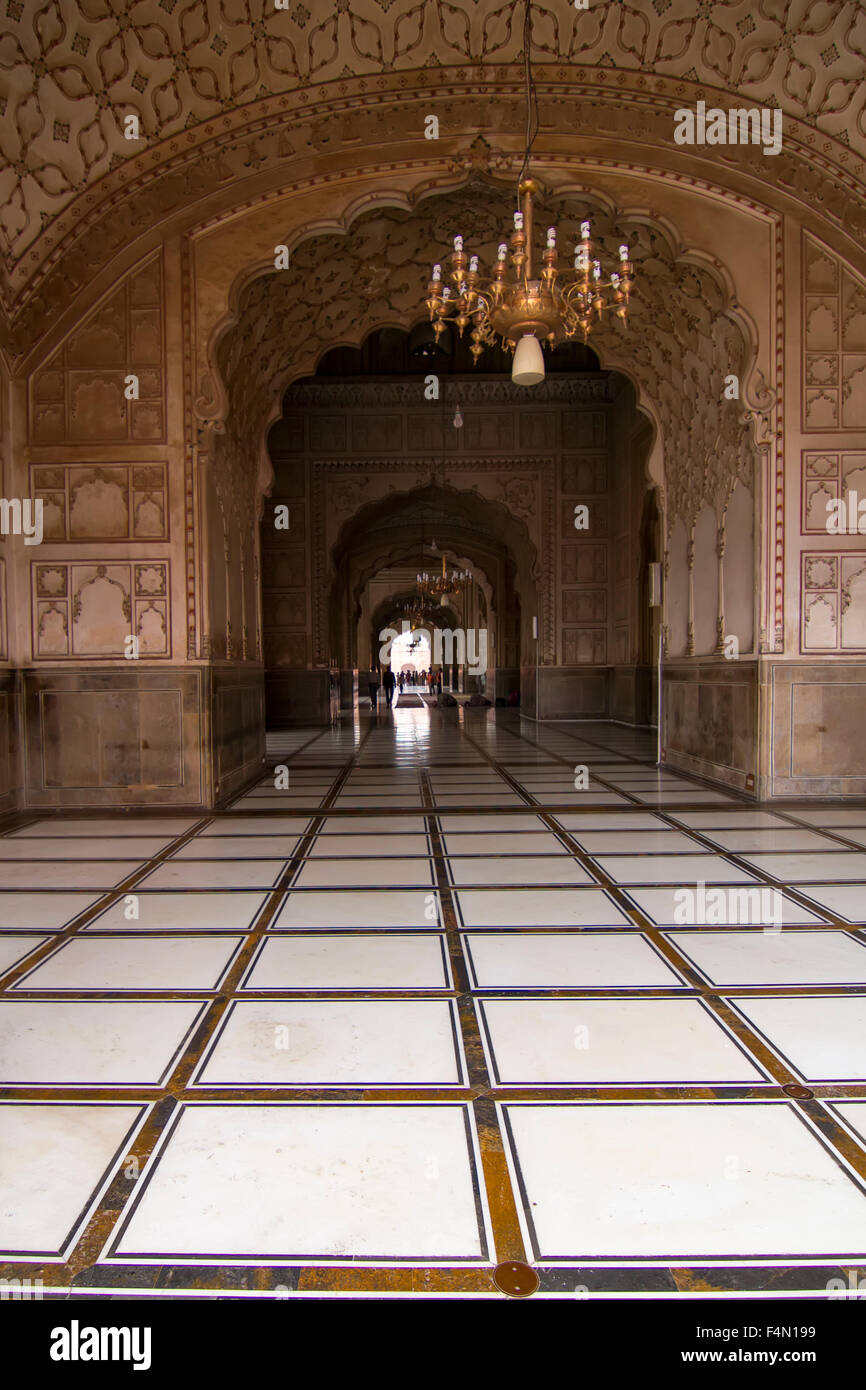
85 393
833 605
91 610
84 502
834 342
829 477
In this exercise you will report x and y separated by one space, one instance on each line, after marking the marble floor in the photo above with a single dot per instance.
443 1007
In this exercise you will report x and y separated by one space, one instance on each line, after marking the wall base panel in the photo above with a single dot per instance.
710 714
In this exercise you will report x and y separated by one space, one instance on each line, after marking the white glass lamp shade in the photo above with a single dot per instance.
528 367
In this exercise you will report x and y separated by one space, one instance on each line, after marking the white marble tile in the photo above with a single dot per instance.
95 874
830 816
806 866
681 1181
15 947
353 961
589 796
134 963
854 1114
256 825
552 907
189 911
54 1161
755 841
237 873
764 907
106 826
288 804
238 847
822 1037
849 832
46 911
846 900
667 797
774 958
566 960
335 1043
674 868
483 800
519 870
359 908
739 818
610 1042
371 802
373 825
645 841
611 820
67 1042
384 873
64 847
311 1182
331 846
533 842
487 822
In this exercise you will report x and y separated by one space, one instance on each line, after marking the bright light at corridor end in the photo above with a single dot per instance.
528 368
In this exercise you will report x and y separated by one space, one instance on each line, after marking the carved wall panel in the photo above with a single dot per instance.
83 394
827 477
834 342
683 338
584 564
833 601
584 647
102 501
90 610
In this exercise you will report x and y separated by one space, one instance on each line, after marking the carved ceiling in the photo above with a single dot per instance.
199 74
682 339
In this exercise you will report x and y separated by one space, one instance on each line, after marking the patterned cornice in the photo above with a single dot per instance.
572 390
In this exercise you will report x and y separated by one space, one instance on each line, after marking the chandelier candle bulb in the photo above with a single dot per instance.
437 273
551 236
584 230
503 251
458 243
623 253
518 222
473 265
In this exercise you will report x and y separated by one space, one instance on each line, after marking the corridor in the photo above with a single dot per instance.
469 992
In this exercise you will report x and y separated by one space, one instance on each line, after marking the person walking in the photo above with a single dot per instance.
373 686
389 681
401 680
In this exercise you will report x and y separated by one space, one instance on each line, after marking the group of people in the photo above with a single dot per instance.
390 683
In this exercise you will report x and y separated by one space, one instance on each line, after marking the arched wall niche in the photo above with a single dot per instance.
344 282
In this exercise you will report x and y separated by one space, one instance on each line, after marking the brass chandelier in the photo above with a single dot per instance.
438 585
518 305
